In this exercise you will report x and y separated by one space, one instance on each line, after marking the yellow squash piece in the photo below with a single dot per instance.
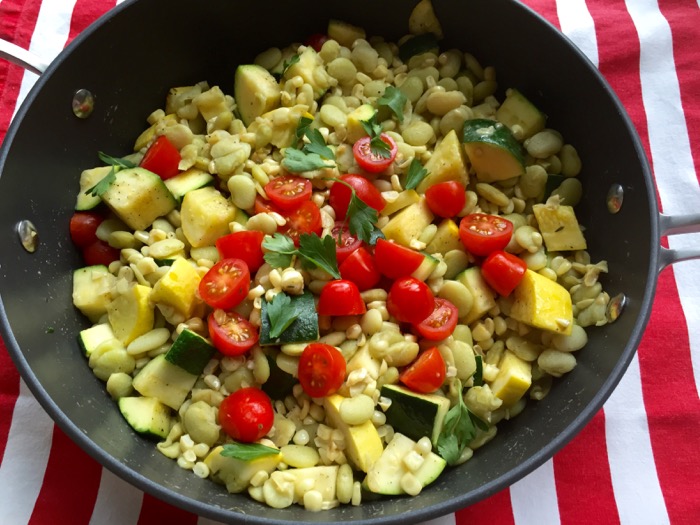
445 164
150 134
355 118
178 288
236 473
205 215
363 445
409 223
513 379
405 198
446 238
542 303
131 313
559 227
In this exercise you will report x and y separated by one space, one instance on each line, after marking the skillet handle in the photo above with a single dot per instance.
678 225
22 57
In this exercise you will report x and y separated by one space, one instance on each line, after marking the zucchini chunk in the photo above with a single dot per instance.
415 415
88 179
493 151
164 381
92 337
520 115
191 179
146 415
302 330
256 92
237 473
92 290
190 351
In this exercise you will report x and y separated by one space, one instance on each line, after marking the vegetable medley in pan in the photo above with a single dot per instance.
340 278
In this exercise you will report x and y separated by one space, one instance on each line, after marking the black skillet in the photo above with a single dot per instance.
129 59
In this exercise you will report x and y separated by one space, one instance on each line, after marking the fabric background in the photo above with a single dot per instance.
636 463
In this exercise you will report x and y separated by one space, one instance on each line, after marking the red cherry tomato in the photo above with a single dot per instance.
370 161
340 195
426 374
360 268
288 191
446 199
231 333
347 244
321 369
162 158
99 252
441 323
265 206
226 284
83 225
305 219
394 260
482 234
245 245
410 300
340 297
316 41
246 414
503 271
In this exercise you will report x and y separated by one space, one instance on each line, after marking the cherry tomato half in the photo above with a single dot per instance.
360 268
340 195
427 373
305 219
265 206
394 260
99 252
246 414
482 234
288 191
345 242
321 369
441 323
340 297
316 41
83 225
503 271
446 199
245 245
162 158
231 333
226 284
370 161
410 300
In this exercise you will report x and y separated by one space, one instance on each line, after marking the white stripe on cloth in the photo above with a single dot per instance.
632 469
534 498
443 520
671 152
49 38
25 459
117 502
577 24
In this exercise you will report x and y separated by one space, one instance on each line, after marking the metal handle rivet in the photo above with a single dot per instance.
83 103
28 235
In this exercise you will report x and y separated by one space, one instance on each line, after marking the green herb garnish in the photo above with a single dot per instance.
281 313
416 173
289 63
247 451
311 156
297 161
313 250
377 146
458 430
117 164
479 373
395 100
361 218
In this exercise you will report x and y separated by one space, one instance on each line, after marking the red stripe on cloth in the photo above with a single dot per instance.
684 18
154 510
9 390
17 22
70 485
546 8
85 13
586 480
496 510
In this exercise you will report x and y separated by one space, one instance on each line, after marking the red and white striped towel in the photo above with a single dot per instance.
636 463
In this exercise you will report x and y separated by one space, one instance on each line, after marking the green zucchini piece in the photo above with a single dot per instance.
493 151
427 267
92 337
146 415
165 381
303 329
416 45
256 92
190 351
191 179
88 179
415 415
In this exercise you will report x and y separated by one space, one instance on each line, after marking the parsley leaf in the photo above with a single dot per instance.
319 251
377 146
297 161
281 313
416 173
395 100
280 250
458 430
288 63
317 144
311 156
362 219
247 451
302 128
479 373
103 185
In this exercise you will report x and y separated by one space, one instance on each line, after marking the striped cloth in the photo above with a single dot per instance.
636 463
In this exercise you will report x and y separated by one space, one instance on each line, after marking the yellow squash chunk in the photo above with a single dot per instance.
409 223
178 288
150 133
445 164
542 303
513 379
92 290
355 118
235 473
520 115
446 238
363 445
405 198
131 313
559 227
205 215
